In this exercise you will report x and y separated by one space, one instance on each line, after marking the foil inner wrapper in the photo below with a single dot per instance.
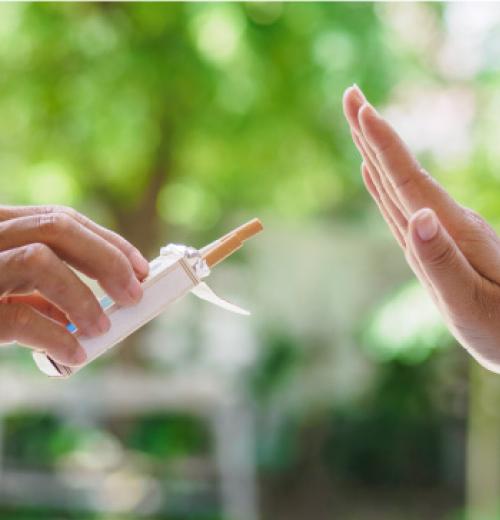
192 255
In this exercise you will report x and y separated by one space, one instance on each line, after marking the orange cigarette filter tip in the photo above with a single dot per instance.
231 242
248 230
223 250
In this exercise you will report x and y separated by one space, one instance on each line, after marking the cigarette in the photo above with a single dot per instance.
231 242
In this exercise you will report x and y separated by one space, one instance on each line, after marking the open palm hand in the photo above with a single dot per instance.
454 253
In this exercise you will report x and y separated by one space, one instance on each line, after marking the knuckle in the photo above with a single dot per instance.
127 248
59 290
88 307
53 225
51 208
64 210
444 256
35 255
72 214
416 176
119 267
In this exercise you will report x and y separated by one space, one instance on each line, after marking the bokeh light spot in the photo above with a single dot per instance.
51 183
188 205
218 30
407 327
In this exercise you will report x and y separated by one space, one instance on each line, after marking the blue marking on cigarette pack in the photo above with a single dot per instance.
71 327
105 302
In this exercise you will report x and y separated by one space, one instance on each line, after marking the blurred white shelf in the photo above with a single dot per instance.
113 392
120 392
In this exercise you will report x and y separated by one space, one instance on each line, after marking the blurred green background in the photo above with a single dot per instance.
342 396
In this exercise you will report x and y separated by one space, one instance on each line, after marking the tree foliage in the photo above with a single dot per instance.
183 113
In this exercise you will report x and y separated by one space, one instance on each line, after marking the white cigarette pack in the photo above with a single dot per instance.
178 271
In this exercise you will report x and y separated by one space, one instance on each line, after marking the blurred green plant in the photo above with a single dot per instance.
279 358
183 113
166 436
407 327
392 437
37 440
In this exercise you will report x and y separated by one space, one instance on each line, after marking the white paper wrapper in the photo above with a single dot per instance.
176 272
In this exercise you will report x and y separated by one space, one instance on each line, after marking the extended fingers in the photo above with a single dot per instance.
399 234
352 103
405 182
400 179
414 187
382 191
381 178
387 200
381 202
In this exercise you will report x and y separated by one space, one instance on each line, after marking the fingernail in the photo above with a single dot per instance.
134 290
139 263
103 323
79 356
426 224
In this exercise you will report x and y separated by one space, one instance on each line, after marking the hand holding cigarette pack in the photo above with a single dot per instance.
177 271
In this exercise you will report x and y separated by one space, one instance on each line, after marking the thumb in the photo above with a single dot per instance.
447 269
